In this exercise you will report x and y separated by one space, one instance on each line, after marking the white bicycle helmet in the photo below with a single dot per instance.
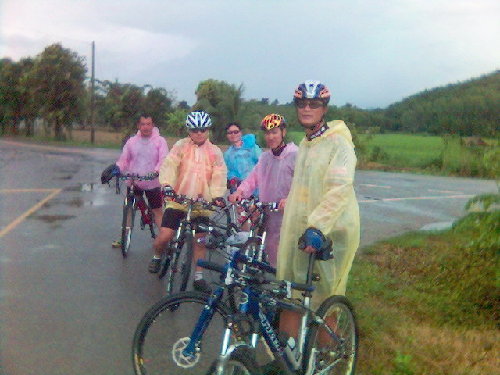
198 120
312 90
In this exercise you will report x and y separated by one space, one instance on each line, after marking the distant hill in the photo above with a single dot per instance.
466 108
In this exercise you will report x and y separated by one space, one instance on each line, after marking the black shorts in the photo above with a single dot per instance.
172 219
153 195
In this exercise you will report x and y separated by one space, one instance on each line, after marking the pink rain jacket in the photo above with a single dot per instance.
194 170
142 155
273 177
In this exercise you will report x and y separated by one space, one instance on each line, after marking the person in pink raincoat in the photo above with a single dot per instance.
142 155
273 177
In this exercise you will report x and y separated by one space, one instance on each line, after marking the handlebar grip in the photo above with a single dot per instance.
210 266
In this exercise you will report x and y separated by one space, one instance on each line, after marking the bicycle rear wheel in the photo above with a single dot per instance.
328 355
165 330
127 227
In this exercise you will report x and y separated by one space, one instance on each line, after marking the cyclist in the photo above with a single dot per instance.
142 155
272 176
241 156
195 168
321 202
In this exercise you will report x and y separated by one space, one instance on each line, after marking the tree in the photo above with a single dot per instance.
157 103
58 78
222 101
175 123
9 95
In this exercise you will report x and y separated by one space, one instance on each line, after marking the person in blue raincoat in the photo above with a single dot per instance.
241 156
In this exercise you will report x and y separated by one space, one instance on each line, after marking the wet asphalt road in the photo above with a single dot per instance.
69 303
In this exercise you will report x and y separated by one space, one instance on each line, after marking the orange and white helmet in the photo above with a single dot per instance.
272 121
312 90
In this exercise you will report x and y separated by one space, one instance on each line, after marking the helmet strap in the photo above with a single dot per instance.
323 128
278 150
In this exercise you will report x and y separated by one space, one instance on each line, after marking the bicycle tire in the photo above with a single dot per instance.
179 267
155 347
127 227
241 361
151 226
187 261
165 264
342 311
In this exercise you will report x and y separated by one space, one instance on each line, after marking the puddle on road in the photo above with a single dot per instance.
52 218
74 202
99 191
93 186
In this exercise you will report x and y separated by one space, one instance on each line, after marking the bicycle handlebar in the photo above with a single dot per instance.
184 200
211 266
253 202
281 284
136 177
133 177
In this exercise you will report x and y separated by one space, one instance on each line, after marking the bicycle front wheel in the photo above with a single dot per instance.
127 226
180 264
331 356
164 332
240 362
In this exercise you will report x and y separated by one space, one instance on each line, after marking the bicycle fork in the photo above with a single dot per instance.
203 322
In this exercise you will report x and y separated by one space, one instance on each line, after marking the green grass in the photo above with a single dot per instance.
405 150
399 150
427 303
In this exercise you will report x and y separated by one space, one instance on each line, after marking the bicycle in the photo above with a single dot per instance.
130 205
258 306
176 262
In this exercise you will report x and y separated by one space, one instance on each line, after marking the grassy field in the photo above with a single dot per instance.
424 154
402 150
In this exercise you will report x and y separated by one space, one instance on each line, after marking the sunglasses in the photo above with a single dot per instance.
197 130
313 104
233 132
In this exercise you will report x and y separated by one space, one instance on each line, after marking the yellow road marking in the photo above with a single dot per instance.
21 218
6 191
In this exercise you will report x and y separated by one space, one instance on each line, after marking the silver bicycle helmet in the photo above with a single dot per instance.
312 90
198 120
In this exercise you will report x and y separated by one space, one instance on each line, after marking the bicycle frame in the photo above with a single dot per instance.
131 197
252 301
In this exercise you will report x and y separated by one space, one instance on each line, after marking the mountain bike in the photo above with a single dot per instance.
177 259
131 203
165 341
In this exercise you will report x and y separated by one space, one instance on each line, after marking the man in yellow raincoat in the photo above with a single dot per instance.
321 198
195 168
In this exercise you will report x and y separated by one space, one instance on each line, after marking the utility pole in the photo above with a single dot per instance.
92 97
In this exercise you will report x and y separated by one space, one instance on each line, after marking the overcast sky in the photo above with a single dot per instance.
370 53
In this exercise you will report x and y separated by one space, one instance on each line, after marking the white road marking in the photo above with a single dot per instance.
461 196
376 186
445 191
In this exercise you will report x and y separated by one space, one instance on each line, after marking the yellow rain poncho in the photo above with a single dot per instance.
322 196
194 171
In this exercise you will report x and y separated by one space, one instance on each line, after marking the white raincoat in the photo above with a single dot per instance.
322 196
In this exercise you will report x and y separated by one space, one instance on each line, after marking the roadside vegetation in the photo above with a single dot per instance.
439 155
428 303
